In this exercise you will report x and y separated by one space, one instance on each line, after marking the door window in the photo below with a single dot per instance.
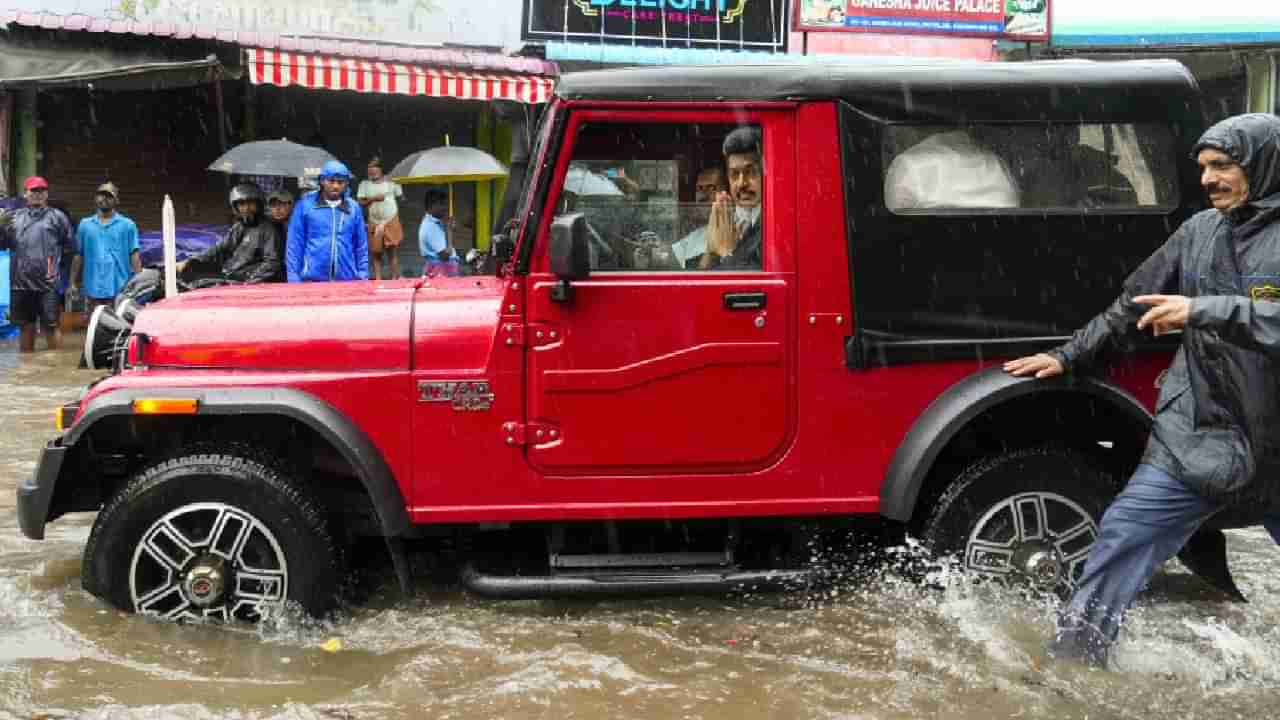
675 197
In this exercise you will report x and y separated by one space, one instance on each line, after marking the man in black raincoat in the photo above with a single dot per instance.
1216 438
40 238
250 253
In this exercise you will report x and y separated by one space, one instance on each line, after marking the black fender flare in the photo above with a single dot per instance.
959 404
320 416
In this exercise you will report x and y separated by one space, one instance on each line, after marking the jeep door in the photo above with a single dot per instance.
653 366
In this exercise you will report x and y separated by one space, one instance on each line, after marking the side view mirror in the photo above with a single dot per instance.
570 255
503 247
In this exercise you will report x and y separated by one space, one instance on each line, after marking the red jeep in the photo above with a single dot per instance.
609 414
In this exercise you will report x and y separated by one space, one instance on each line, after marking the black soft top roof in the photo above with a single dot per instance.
905 90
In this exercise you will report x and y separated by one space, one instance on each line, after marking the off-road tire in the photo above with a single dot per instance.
235 476
1067 481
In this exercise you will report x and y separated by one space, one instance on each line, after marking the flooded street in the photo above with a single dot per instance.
880 648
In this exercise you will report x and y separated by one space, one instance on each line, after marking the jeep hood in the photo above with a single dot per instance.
346 326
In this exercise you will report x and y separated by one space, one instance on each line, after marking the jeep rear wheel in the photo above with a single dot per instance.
212 536
1029 514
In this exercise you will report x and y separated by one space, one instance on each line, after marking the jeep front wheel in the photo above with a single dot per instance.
212 536
1029 514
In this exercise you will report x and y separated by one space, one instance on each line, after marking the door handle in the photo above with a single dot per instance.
745 300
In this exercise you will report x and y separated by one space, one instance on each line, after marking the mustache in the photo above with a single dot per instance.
1216 187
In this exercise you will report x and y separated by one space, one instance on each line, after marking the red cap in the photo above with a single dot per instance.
35 181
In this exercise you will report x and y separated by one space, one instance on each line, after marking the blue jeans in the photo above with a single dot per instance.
1148 523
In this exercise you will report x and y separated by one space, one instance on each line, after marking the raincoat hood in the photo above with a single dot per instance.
334 168
1253 140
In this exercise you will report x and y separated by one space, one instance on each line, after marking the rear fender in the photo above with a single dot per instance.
959 405
320 416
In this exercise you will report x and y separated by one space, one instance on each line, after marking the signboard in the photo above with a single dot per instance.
1026 20
1153 24
759 25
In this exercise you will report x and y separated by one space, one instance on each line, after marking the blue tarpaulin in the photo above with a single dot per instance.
6 328
191 240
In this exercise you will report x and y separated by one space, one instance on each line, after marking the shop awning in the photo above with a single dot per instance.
325 72
25 64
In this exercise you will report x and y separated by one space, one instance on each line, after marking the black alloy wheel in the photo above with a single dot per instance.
1030 515
207 535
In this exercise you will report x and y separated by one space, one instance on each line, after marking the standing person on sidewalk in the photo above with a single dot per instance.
377 196
39 237
106 250
280 207
439 258
1216 437
327 237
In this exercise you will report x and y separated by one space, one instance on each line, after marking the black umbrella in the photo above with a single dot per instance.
272 157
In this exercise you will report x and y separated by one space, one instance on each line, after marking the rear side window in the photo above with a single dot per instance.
1120 167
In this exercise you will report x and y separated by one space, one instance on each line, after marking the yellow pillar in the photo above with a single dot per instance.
502 151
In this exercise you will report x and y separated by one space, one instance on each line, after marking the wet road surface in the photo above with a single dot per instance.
882 647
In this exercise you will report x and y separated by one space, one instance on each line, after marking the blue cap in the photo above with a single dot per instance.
333 168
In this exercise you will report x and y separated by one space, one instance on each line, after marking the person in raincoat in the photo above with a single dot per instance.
1215 442
327 239
250 252
39 238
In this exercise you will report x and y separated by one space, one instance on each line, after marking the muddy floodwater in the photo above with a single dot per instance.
878 646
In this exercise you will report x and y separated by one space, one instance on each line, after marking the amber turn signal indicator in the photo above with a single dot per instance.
164 406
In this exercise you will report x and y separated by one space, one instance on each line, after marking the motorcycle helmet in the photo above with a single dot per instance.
245 191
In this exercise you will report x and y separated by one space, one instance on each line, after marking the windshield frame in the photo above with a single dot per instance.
535 186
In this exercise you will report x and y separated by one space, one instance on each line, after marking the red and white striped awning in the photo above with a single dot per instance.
323 72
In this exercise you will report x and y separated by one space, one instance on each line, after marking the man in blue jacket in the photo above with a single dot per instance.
327 239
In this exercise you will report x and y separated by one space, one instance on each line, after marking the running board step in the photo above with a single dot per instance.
616 561
513 587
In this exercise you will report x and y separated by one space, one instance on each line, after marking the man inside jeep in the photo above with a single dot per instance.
734 230
710 183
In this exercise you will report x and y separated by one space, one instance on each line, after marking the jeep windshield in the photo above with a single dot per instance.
537 163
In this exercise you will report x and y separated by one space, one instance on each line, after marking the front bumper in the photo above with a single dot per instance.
36 493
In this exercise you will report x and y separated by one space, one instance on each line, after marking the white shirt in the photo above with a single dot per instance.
384 210
690 246
695 243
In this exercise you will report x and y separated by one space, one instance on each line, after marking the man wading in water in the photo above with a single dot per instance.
1216 437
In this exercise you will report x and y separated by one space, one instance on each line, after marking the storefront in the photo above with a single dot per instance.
141 112
1232 49
149 105
364 108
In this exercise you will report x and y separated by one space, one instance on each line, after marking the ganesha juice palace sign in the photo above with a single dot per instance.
1007 19
715 24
